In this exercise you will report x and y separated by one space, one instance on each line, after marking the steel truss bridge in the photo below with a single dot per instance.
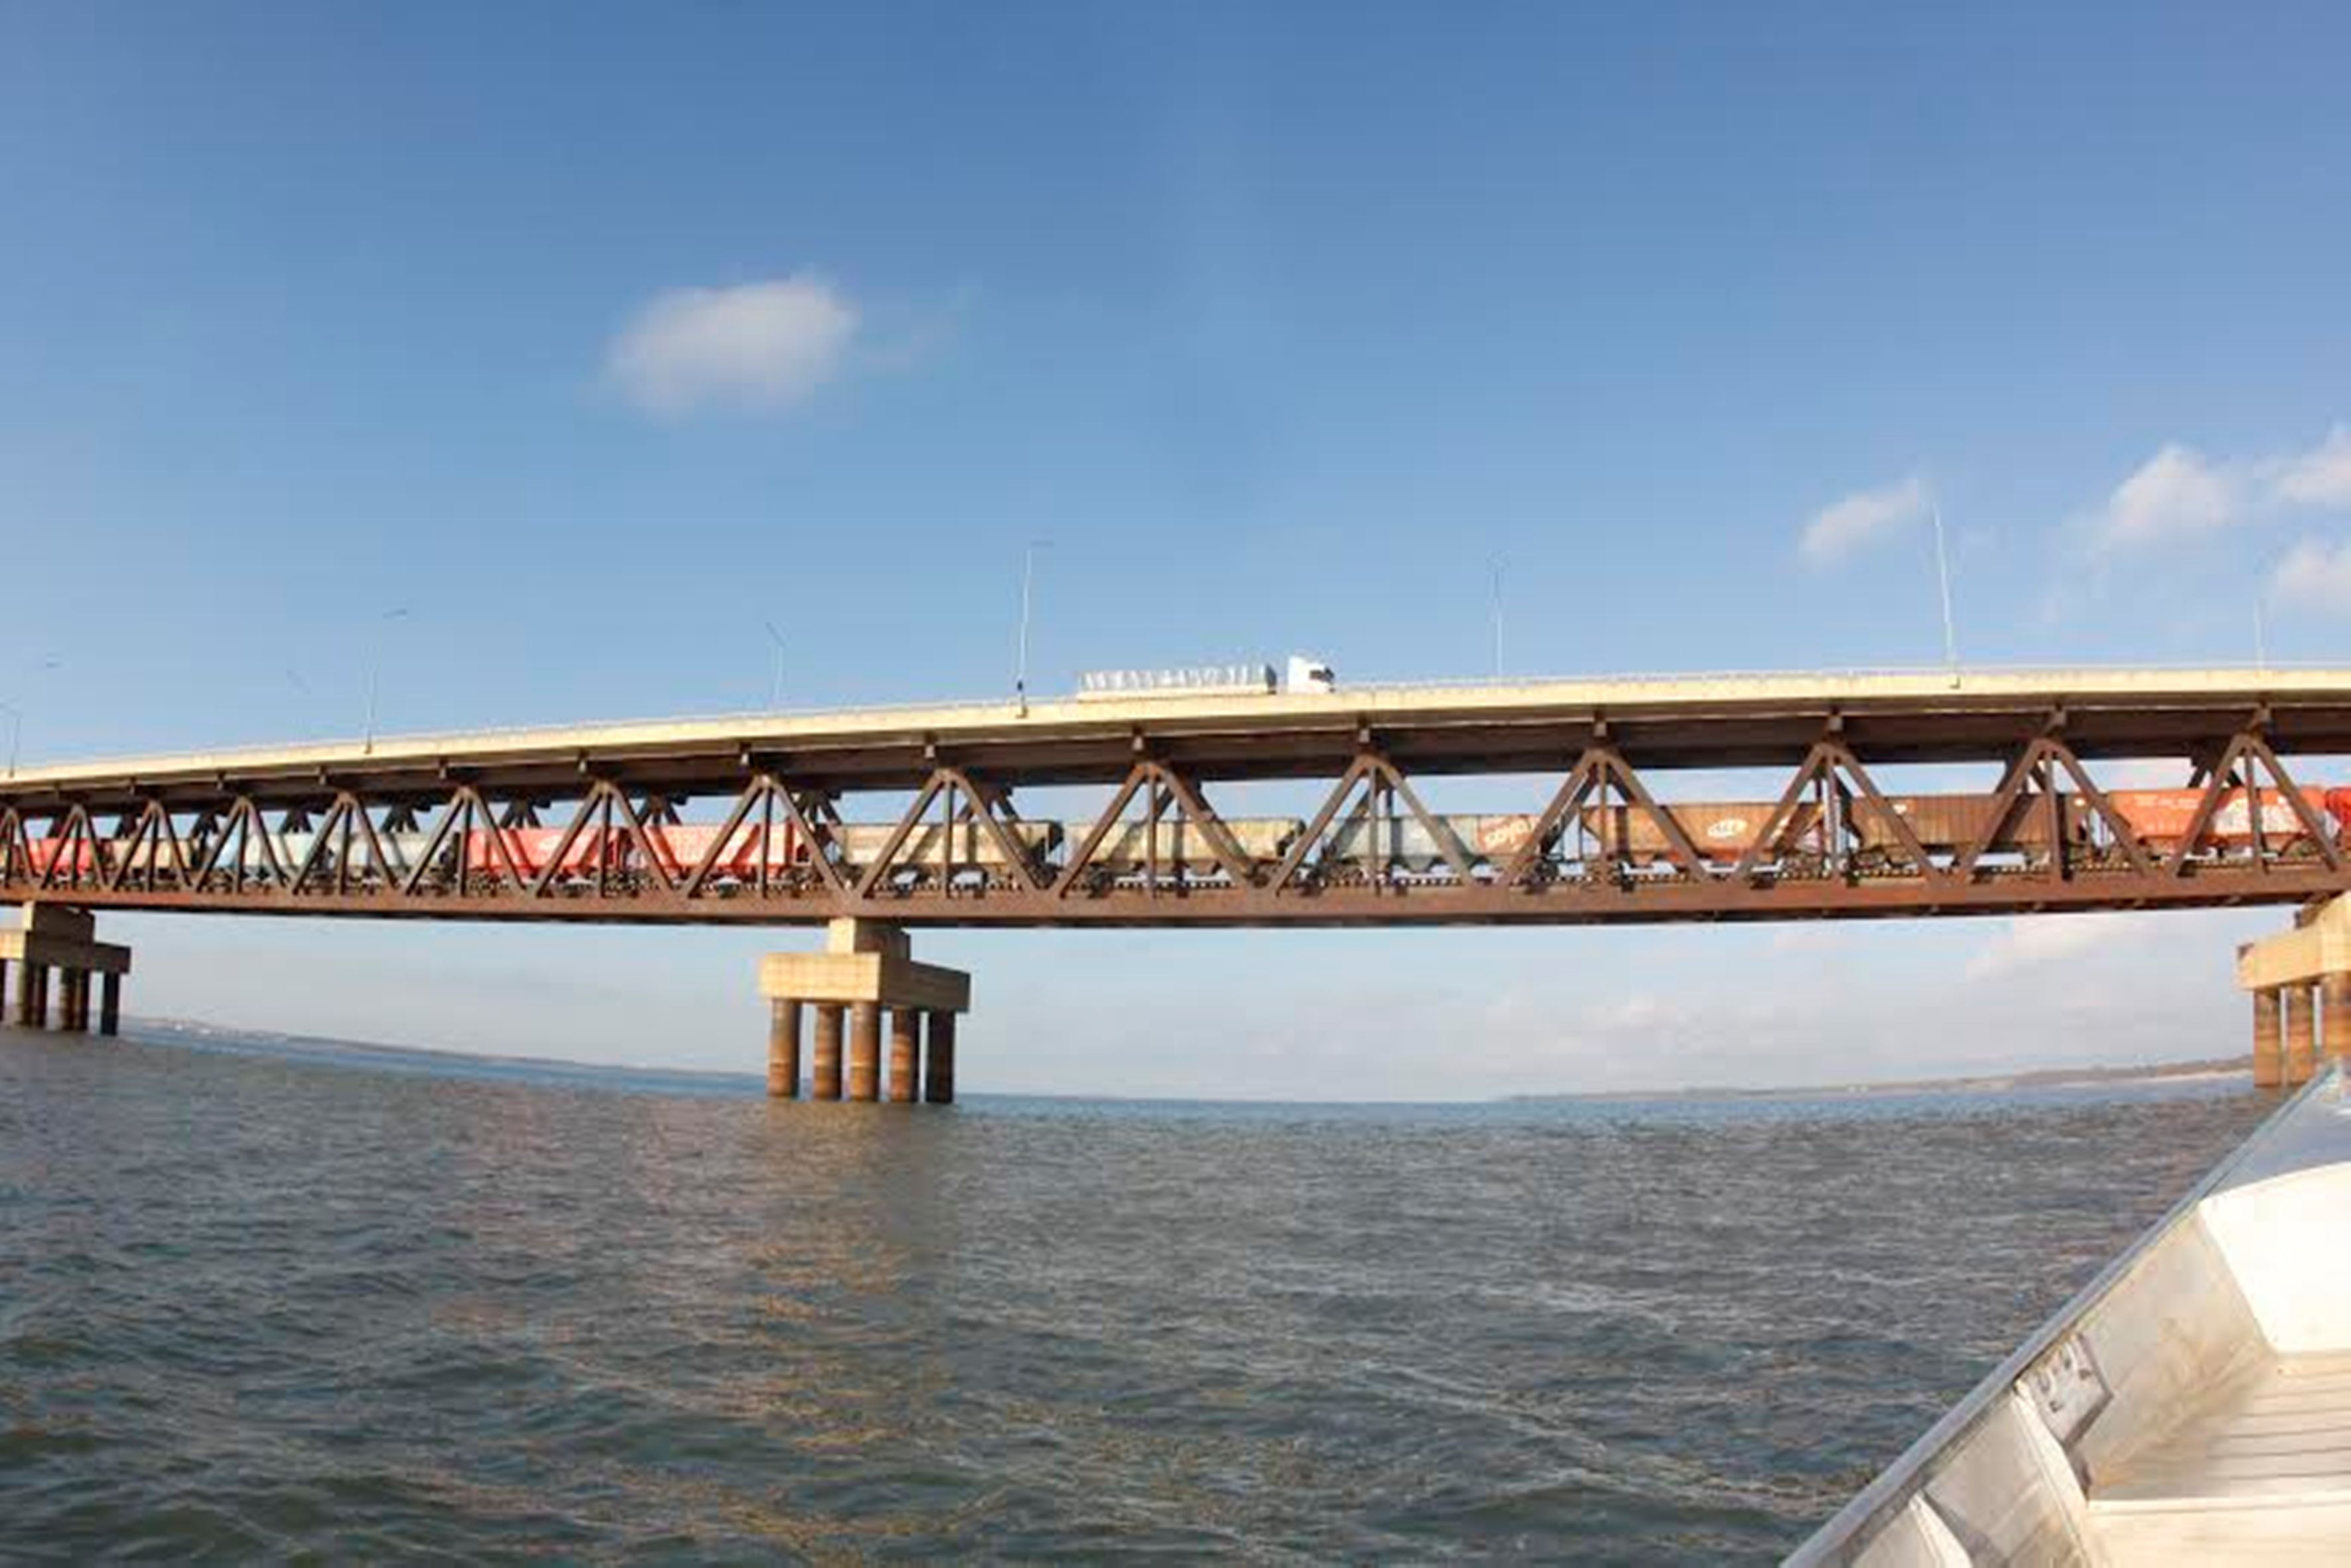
318 830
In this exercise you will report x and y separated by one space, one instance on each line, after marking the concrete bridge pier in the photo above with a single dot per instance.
2335 1016
2269 1039
938 1076
783 1048
826 1083
2301 985
33 996
865 1051
864 972
905 1053
2301 1034
55 951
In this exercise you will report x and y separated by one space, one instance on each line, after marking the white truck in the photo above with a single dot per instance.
1305 675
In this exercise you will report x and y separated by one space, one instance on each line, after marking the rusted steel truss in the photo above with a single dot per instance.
1599 843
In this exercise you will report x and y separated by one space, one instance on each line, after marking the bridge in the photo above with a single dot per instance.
1885 795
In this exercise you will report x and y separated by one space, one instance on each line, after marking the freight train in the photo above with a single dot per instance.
1722 833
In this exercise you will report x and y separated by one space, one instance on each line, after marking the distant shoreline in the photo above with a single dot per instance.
1977 1083
199 1032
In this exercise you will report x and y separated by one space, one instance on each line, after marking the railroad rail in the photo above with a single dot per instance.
907 816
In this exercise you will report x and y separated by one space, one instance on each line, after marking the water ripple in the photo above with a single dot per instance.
254 1304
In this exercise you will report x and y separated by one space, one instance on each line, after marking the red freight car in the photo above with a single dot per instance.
682 849
677 850
1723 831
2161 818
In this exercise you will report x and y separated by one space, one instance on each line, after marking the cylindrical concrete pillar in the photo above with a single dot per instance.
109 1004
938 1075
825 1070
905 1054
76 1001
783 1048
33 998
2335 1016
864 1050
3 988
2300 1036
2269 1039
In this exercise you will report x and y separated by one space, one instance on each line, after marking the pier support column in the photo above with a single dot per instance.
938 1074
866 969
53 945
826 1073
2334 1015
905 1053
2269 1039
784 1047
2300 1036
109 1004
865 1051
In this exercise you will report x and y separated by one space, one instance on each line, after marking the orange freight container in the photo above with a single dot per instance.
2164 816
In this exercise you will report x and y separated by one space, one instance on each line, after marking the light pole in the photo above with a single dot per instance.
1502 567
375 659
16 717
776 686
1027 589
1943 583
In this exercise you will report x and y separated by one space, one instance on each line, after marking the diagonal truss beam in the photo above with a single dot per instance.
1163 788
72 833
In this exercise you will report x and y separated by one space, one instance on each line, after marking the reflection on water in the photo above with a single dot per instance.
254 1303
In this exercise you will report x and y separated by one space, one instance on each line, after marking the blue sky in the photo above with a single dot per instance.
594 337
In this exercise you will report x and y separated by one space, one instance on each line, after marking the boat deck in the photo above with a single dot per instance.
2263 1471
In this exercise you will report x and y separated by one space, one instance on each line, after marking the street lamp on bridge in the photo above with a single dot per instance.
375 659
776 686
16 718
1020 658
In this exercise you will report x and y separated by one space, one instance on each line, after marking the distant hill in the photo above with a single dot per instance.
1985 1084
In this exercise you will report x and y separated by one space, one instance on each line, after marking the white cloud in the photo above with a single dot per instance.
2181 492
1836 530
2314 575
2177 491
2320 478
755 346
2031 941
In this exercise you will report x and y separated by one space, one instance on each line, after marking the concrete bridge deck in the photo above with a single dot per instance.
1667 721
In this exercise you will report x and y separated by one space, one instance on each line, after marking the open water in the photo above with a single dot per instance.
262 1299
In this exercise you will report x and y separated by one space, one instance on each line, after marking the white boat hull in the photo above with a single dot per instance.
2193 1405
